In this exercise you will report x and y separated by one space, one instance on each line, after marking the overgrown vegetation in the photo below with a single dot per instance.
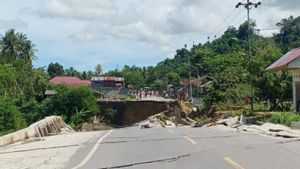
22 88
110 116
285 118
69 102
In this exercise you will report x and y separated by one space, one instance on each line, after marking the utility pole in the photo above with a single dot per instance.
191 88
248 5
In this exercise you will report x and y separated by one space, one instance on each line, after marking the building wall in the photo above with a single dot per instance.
296 89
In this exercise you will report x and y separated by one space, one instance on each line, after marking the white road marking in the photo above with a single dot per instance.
91 153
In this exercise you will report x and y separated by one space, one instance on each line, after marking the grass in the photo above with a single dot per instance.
258 107
285 118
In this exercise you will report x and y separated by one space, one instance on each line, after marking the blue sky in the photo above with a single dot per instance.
83 33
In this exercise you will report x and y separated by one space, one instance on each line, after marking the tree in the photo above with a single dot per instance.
16 46
134 78
173 78
10 45
55 69
289 34
98 70
72 72
10 117
8 80
28 50
84 75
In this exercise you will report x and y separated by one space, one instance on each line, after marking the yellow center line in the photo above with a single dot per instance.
232 163
190 140
171 131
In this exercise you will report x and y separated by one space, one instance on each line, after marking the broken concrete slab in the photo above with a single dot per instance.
233 121
295 125
48 126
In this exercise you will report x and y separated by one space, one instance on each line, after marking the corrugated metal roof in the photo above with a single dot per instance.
285 60
71 81
108 78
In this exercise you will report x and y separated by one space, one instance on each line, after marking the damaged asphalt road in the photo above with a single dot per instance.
171 159
192 148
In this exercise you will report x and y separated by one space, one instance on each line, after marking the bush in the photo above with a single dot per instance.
109 115
68 101
31 111
79 117
285 118
10 117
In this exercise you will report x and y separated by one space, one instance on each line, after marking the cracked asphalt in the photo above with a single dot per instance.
190 148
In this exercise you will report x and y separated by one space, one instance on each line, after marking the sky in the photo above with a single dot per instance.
83 33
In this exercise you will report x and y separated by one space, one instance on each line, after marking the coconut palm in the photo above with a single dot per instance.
10 45
27 52
16 46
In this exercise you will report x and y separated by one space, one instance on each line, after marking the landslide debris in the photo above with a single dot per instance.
176 115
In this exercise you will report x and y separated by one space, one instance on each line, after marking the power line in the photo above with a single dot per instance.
223 21
240 20
229 23
267 29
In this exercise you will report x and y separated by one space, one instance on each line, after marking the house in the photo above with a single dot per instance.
107 81
109 86
290 61
70 81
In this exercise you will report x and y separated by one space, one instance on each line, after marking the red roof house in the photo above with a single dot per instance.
70 81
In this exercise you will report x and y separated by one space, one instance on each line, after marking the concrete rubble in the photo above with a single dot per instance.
174 116
51 125
270 129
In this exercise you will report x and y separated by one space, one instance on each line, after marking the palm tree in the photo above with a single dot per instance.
16 46
27 52
10 45
98 70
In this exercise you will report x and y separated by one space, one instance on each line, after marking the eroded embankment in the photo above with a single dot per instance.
130 112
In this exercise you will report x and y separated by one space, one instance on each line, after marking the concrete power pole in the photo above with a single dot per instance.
190 76
248 5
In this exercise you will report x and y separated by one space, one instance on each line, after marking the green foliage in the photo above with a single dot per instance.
173 78
16 46
98 70
289 35
134 78
79 117
285 118
55 69
199 120
72 72
109 115
158 85
68 101
8 81
10 116
164 117
31 111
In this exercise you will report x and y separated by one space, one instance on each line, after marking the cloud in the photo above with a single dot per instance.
157 23
13 24
162 24
79 9
285 5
